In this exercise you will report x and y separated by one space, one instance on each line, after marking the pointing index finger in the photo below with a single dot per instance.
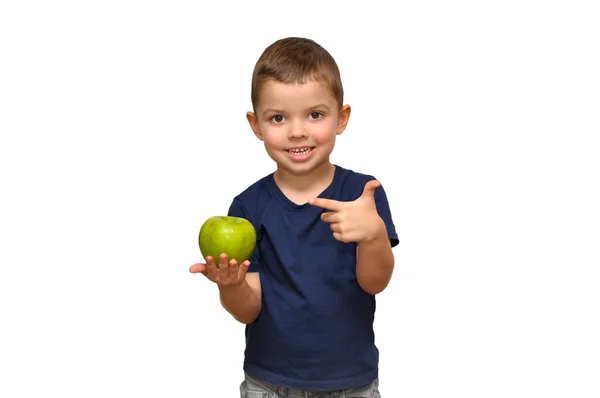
328 204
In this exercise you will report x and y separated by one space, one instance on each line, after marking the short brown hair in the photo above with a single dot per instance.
296 60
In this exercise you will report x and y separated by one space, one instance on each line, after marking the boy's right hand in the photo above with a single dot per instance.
226 274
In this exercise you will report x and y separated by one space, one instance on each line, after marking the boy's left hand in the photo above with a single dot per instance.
356 221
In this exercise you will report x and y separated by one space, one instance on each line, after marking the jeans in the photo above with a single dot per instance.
255 388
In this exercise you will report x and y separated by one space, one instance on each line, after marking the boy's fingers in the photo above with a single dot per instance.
233 269
369 189
223 267
223 260
338 236
328 204
211 269
331 216
198 268
243 270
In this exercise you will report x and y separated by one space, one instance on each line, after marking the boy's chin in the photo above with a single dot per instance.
304 168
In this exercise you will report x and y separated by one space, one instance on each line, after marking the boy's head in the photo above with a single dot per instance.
297 97
296 60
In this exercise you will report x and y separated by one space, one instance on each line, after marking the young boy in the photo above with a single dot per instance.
324 239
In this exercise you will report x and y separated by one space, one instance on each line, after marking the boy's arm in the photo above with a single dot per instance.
243 301
240 291
375 263
359 221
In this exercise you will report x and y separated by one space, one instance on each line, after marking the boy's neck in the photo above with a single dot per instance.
312 184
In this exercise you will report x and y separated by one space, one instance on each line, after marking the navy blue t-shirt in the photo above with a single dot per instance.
315 328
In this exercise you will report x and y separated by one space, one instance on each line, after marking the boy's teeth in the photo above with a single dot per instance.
300 151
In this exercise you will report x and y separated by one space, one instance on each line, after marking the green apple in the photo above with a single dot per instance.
233 236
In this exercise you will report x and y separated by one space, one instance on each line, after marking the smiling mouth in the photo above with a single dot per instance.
300 151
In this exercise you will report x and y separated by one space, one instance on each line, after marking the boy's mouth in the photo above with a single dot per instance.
299 151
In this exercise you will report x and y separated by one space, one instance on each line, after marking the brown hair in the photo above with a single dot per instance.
296 60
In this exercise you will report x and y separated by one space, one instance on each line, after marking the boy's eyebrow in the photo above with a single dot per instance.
320 106
272 110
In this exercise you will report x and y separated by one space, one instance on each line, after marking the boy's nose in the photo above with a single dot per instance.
297 130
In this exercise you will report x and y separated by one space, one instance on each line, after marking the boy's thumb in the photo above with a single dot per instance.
369 190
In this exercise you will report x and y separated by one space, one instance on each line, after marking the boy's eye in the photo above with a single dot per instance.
315 115
277 118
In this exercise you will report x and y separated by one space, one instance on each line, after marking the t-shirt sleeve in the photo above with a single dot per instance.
237 210
383 208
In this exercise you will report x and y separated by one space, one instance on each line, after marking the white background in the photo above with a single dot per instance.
123 128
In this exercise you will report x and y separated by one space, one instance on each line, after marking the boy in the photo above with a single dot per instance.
324 239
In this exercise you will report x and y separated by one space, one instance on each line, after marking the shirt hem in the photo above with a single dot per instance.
325 385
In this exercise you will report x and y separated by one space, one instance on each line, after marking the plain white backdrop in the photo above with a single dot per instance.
123 128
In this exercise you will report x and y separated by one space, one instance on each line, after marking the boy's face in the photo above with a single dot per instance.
298 124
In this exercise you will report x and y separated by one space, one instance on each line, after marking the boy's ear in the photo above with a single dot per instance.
343 118
253 120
